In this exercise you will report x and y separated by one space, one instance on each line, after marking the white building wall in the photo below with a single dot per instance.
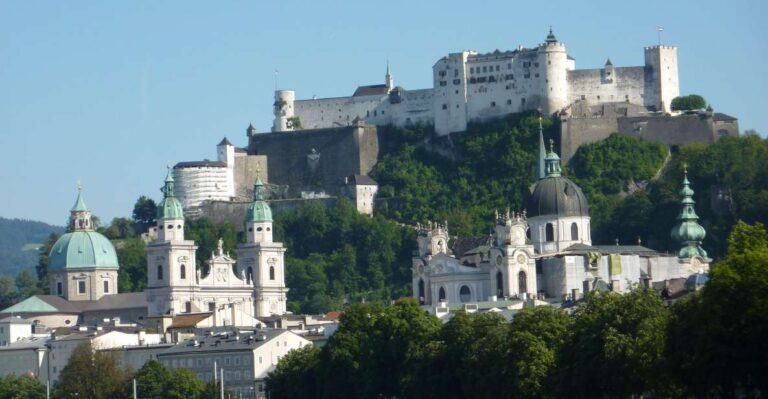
24 361
200 183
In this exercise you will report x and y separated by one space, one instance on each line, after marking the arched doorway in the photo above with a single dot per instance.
465 295
441 294
421 292
499 284
522 283
574 231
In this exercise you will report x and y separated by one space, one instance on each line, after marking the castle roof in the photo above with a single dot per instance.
371 90
721 117
225 141
197 164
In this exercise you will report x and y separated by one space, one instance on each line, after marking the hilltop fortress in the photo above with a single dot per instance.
471 86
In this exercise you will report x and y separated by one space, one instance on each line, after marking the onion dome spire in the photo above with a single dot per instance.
688 231
79 215
551 36
259 210
169 207
552 161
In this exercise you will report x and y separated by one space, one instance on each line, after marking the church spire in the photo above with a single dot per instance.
688 231
388 78
169 207
540 170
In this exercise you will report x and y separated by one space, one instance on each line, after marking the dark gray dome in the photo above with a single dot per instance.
557 196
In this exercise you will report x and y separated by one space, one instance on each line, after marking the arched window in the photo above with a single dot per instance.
183 272
522 283
249 275
160 272
465 295
441 294
271 272
574 231
421 292
550 232
188 307
499 284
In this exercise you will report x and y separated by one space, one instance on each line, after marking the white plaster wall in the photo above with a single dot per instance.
595 86
562 230
200 183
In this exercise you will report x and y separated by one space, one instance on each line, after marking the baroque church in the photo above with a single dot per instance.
546 251
84 272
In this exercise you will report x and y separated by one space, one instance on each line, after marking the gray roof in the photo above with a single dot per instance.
26 343
197 164
557 195
361 180
370 90
720 117
225 141
462 245
583 249
216 342
127 300
15 320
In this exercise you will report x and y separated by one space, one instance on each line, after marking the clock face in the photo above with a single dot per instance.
498 259
521 259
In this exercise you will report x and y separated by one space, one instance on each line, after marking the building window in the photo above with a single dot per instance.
421 292
211 306
493 104
183 272
441 294
160 272
499 284
550 232
59 289
271 272
509 102
445 106
465 295
522 283
574 231
81 287
106 286
188 307
485 69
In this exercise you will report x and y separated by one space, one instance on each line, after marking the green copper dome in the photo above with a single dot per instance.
82 249
169 207
81 246
688 231
259 210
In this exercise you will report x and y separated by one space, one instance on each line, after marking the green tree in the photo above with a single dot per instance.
144 211
152 380
212 390
717 339
616 347
184 385
91 374
120 228
132 256
26 284
42 265
8 293
13 387
688 103
295 374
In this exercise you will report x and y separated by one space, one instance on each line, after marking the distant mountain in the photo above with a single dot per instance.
19 241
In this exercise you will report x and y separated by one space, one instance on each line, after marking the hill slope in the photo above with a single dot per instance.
19 240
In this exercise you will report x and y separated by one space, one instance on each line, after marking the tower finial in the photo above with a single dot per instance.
79 186
551 145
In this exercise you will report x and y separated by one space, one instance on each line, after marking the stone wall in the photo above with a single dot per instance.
234 212
317 160
246 167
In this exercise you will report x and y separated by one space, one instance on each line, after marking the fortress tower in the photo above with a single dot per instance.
284 110
553 57
663 84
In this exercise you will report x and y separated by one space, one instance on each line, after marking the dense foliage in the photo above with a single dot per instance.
688 103
336 256
487 168
27 387
710 344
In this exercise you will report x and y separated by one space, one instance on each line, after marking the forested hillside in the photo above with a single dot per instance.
19 240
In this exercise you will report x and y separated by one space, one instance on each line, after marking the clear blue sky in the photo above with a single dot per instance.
108 92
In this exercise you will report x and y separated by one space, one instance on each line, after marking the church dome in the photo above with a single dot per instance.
81 246
557 196
554 194
82 249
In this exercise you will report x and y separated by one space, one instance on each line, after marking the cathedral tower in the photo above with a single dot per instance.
171 270
260 259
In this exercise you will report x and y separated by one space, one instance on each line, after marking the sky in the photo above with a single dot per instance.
108 93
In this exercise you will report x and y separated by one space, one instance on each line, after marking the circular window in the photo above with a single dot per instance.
178 227
67 322
258 229
269 229
498 259
250 229
170 226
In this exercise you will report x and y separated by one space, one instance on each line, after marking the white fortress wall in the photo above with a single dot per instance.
339 111
602 85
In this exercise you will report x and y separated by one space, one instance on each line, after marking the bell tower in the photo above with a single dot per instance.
260 259
170 258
